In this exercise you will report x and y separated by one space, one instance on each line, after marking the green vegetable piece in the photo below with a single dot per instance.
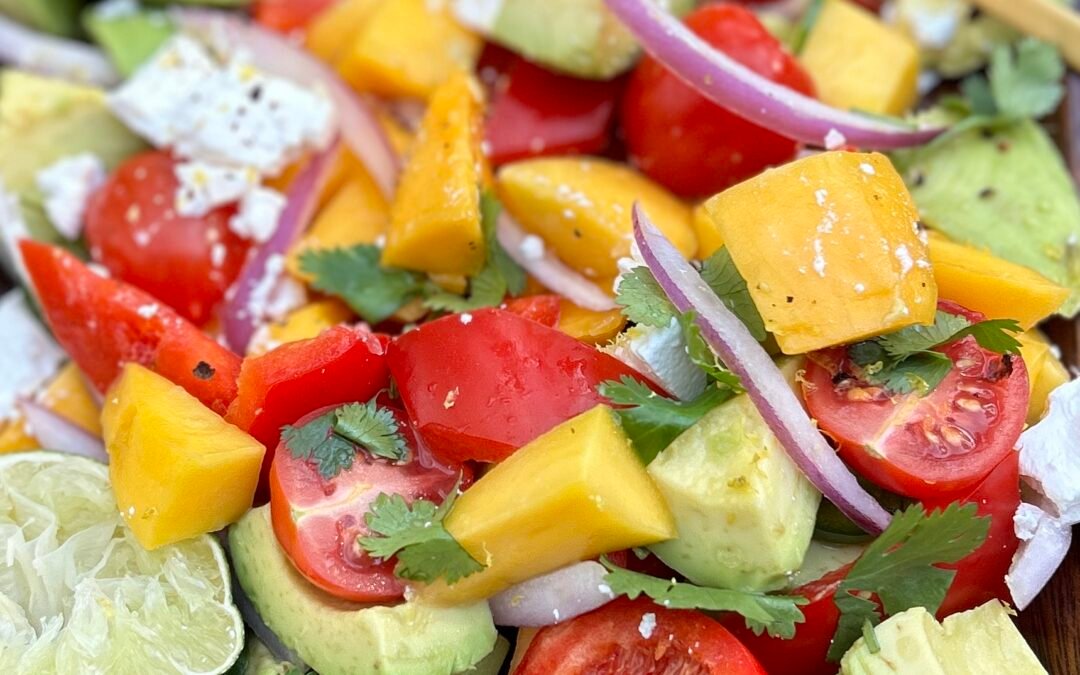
354 275
128 38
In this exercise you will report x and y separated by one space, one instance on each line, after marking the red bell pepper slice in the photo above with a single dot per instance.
103 323
479 386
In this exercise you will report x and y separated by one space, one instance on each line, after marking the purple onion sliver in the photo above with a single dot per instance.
56 432
731 85
763 381
554 597
30 50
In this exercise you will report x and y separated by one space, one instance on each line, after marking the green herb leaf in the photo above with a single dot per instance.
653 421
354 275
317 442
720 273
374 428
425 550
900 567
921 372
913 339
1026 82
643 301
702 355
775 614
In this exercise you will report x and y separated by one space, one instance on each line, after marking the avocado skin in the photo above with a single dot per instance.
335 637
1005 188
59 17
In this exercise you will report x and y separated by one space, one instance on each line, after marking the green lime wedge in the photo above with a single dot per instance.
78 594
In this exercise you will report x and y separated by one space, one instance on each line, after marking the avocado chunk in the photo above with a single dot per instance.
129 38
743 510
60 17
1004 188
492 663
981 641
336 637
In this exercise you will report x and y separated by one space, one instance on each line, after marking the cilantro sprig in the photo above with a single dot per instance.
415 533
774 614
905 361
330 440
900 568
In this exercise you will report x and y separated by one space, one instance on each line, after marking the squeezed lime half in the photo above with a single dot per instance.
78 594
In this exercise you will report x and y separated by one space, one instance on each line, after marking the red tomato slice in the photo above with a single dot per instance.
536 112
620 639
479 386
318 521
923 446
686 142
134 232
543 309
103 323
286 16
341 365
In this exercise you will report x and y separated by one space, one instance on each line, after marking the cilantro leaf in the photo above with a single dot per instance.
720 273
652 421
921 372
1027 82
912 339
317 442
354 275
702 355
643 301
425 550
775 614
900 567
993 335
374 428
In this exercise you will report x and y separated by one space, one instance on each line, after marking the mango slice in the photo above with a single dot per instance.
708 237
574 493
333 30
829 249
408 48
1046 372
588 325
986 283
581 208
68 395
435 217
858 62
177 468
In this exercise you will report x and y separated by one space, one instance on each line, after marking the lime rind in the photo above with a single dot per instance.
79 594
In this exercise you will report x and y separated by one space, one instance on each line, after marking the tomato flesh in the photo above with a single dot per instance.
317 521
688 143
134 231
543 309
923 446
619 639
286 16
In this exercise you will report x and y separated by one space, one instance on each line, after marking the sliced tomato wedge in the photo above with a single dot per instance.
544 309
317 521
923 446
638 637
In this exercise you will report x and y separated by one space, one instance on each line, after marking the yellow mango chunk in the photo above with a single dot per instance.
1046 372
300 324
574 493
332 31
177 468
435 217
68 395
858 62
829 249
708 237
1000 289
581 208
408 48
399 136
588 325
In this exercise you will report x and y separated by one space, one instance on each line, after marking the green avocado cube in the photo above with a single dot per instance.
743 510
129 38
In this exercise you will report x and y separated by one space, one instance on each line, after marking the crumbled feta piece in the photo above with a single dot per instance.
66 185
204 187
834 140
866 168
466 319
12 230
660 354
29 357
260 211
1050 455
480 15
647 625
147 311
276 294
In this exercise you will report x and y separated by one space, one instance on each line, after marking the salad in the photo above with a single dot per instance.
433 337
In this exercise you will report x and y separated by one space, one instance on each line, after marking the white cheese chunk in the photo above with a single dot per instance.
1050 453
66 186
29 357
204 187
260 211
660 354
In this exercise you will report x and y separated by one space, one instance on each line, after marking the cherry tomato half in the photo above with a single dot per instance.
686 142
134 232
286 16
621 638
923 446
317 521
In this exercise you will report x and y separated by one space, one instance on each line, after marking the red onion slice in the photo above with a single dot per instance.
279 56
49 55
728 83
301 202
1044 543
763 381
553 273
549 599
56 432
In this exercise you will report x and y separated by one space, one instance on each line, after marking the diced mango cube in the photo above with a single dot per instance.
859 62
408 48
581 207
67 395
332 31
708 237
301 324
573 493
1046 372
588 325
177 468
435 217
1000 289
829 248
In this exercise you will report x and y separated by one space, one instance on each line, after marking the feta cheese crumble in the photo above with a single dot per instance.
834 140
66 185
29 357
660 354
1050 456
204 187
647 625
260 211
